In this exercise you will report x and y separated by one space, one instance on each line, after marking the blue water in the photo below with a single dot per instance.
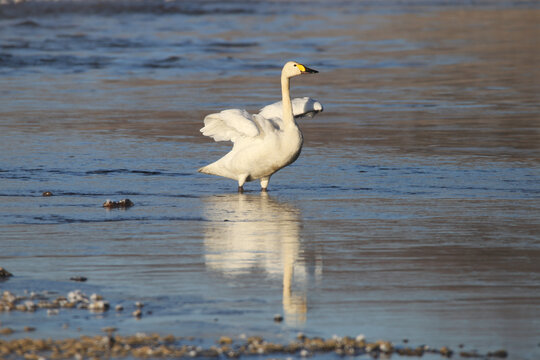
412 211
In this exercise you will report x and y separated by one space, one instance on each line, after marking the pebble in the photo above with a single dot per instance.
304 353
47 193
30 305
4 274
99 306
6 331
119 308
469 354
139 304
446 351
95 297
278 318
225 340
77 296
371 347
137 313
385 346
124 203
418 351
498 354
78 278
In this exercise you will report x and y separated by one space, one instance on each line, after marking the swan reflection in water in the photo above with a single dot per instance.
255 231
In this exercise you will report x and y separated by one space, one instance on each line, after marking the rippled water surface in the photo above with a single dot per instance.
412 213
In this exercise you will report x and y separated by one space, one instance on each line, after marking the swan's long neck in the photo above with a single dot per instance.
288 117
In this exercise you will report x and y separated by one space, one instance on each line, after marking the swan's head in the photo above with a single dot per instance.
292 68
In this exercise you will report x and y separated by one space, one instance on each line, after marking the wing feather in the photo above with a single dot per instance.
305 106
230 125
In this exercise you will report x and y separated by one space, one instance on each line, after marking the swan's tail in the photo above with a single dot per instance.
211 169
205 170
216 169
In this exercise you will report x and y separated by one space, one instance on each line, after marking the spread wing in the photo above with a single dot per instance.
305 106
230 125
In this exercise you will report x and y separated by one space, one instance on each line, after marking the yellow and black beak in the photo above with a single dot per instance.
305 69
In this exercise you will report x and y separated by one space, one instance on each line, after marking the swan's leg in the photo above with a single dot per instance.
264 183
241 182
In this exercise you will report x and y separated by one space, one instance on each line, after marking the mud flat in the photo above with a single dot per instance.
155 346
143 345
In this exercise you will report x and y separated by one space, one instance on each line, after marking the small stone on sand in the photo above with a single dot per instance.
109 330
4 274
99 306
498 354
225 340
124 203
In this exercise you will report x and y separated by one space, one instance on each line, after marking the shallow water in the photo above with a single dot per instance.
412 212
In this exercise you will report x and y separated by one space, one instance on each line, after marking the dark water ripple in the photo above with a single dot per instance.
167 63
15 9
97 194
16 173
60 61
59 219
138 172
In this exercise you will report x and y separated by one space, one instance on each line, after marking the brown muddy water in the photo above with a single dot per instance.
412 213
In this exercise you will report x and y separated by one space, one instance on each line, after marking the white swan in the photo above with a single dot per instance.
264 142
